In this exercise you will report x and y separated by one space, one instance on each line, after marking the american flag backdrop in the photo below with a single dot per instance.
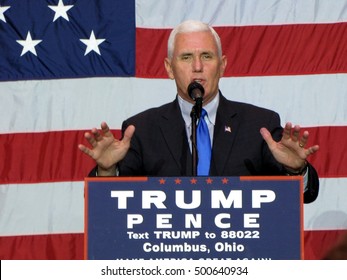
68 65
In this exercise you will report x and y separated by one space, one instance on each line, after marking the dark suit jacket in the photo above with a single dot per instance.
160 147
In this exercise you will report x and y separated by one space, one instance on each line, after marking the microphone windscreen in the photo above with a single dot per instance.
195 90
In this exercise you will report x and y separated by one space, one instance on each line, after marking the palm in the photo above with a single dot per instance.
106 150
287 154
290 151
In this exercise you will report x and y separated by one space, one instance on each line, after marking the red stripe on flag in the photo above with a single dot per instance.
42 247
151 50
258 50
319 242
331 159
55 157
44 157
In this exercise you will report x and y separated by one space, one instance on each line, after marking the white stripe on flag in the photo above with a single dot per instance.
154 14
332 211
75 104
41 208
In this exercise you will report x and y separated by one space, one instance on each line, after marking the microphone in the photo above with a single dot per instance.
196 92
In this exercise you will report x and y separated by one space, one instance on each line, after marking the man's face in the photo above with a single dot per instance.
195 58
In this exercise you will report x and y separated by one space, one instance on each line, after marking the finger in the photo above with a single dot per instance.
303 139
96 134
128 134
85 150
295 133
105 128
312 150
82 148
90 138
267 137
287 131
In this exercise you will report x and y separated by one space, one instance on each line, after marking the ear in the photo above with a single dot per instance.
168 67
223 65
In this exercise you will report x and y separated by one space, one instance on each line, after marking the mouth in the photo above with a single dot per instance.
200 81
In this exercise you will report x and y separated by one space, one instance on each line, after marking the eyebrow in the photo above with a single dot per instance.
202 53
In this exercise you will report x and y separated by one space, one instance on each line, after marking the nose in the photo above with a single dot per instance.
197 64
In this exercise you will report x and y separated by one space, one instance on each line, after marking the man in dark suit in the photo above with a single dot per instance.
246 140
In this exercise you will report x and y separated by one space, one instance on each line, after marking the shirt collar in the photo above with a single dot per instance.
211 109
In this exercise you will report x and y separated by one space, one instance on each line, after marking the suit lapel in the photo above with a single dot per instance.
173 130
224 135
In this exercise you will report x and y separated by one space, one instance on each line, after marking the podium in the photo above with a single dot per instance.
198 218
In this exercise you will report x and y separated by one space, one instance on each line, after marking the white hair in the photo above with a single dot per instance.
191 26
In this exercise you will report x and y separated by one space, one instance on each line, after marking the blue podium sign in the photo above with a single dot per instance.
194 218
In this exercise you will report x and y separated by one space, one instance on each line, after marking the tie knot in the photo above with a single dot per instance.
203 113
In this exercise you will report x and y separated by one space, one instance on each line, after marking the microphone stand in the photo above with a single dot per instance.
193 138
195 115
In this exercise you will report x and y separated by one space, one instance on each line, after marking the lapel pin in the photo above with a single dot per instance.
227 129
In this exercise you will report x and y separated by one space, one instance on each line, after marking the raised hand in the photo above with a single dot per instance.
291 150
105 149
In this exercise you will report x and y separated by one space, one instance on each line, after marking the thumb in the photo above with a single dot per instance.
267 137
128 134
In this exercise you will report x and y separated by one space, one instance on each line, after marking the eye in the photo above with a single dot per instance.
186 57
206 56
